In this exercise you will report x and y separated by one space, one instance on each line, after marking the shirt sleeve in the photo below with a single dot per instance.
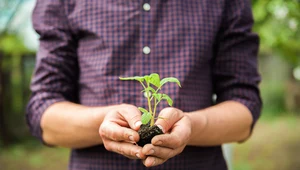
56 71
235 68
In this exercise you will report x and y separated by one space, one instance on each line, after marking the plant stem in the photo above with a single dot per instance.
143 84
148 98
155 92
149 104
154 112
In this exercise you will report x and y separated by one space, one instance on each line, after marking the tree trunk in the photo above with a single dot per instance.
4 134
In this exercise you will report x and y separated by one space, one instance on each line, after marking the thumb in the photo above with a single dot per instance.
168 117
132 115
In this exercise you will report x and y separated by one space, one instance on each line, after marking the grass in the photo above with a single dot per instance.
33 157
275 144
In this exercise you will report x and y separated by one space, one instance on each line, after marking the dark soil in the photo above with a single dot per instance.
147 133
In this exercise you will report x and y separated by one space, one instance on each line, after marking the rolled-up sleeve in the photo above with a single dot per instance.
56 71
235 69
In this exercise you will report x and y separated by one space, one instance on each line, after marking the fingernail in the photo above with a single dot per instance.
158 143
137 155
151 152
161 128
153 163
131 138
138 123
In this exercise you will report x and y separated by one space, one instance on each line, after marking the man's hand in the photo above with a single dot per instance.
177 128
119 131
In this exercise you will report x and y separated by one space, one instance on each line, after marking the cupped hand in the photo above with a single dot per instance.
119 131
177 127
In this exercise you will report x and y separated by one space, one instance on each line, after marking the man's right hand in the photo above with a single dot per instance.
119 131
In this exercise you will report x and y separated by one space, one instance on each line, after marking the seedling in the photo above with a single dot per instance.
152 85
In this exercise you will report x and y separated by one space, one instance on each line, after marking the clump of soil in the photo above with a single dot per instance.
147 133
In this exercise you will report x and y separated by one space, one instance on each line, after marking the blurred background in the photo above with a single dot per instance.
275 143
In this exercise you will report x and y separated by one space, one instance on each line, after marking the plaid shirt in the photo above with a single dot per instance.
85 46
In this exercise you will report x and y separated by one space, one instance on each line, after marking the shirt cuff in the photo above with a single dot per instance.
34 112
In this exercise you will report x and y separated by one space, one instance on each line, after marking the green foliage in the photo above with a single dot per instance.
33 156
277 22
16 65
12 50
152 84
273 98
11 44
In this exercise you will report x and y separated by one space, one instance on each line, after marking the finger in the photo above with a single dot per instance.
169 116
179 136
168 141
132 115
151 161
126 149
116 132
157 155
159 152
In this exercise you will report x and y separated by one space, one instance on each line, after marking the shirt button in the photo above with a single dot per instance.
146 50
146 7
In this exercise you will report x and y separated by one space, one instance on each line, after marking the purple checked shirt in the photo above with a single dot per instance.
86 45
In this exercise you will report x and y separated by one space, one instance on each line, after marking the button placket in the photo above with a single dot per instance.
146 7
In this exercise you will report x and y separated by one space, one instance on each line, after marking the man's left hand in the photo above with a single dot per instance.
177 128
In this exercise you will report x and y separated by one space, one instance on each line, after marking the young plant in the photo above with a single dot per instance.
152 84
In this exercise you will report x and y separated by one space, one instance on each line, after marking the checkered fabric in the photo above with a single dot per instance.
86 45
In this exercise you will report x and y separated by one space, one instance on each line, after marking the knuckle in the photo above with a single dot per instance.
120 150
124 105
135 117
128 106
132 153
127 109
106 132
176 113
107 146
114 137
126 135
171 112
102 131
168 110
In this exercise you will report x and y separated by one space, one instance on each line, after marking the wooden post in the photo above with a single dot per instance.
4 135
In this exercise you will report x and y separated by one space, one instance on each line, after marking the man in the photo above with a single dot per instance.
79 102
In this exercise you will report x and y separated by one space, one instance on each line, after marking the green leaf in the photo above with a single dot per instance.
168 99
147 78
137 78
149 89
154 79
170 79
143 110
158 96
146 117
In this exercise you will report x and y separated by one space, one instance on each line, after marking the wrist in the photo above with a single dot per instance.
99 113
199 123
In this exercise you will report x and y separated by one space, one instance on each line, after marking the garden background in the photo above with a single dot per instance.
275 143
